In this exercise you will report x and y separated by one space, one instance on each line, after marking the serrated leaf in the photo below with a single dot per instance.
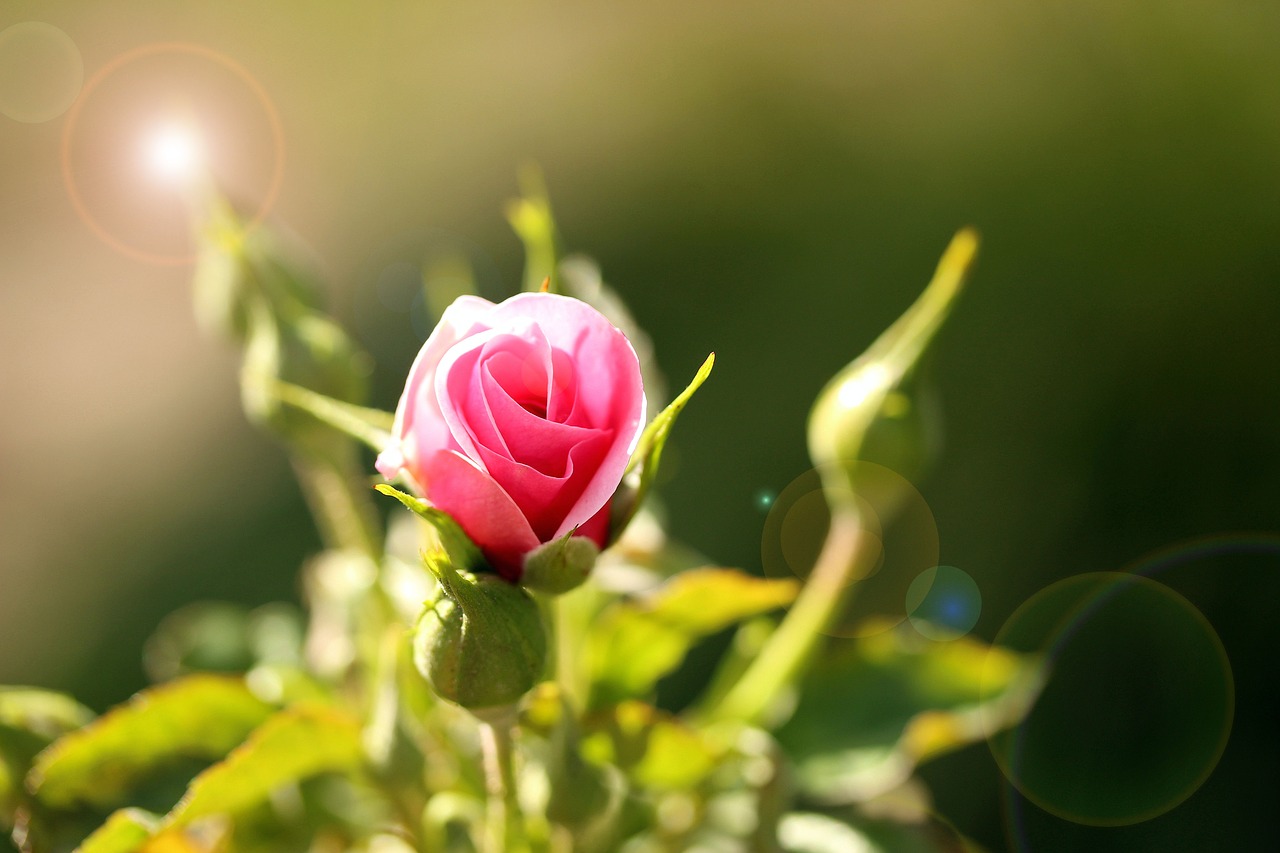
295 744
41 712
648 452
892 700
202 716
125 831
463 553
636 642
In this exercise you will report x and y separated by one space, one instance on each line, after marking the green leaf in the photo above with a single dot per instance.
892 700
124 832
41 712
634 643
654 748
462 552
648 452
295 744
372 427
202 716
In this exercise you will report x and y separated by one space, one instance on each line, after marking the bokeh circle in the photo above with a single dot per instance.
41 72
1137 705
898 540
943 603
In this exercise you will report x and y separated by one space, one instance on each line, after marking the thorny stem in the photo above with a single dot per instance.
824 597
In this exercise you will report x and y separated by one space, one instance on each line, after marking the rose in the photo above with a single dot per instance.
518 420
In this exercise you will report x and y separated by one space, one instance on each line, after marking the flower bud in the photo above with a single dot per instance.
874 410
481 642
559 566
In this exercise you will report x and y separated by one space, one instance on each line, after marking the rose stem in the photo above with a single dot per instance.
504 832
825 595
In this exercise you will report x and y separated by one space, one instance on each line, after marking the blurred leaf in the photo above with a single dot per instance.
292 745
892 700
199 716
125 831
42 712
462 552
648 452
655 748
636 642
800 832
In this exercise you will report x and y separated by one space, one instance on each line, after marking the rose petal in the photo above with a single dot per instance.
485 512
418 429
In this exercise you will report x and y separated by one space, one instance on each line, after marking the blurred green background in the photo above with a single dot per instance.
773 181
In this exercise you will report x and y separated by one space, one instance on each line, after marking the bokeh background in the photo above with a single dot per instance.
773 181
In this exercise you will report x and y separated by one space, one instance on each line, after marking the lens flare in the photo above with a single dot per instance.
174 153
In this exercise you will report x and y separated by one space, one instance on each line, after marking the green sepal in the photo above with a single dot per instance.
648 452
560 565
371 427
461 551
481 643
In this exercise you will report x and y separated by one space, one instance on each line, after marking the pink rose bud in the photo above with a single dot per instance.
518 420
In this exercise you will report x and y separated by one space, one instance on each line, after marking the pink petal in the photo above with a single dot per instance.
484 511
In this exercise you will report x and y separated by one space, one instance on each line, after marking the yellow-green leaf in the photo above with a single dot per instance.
893 699
203 716
124 832
41 712
295 744
636 642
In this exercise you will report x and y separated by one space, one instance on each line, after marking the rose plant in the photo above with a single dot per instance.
456 685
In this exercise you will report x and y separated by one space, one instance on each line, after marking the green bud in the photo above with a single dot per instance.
481 642
874 409
560 565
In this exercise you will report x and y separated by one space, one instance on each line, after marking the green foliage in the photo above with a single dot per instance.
202 716
124 832
335 737
295 744
893 699
636 642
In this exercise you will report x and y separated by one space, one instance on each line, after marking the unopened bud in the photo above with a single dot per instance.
559 565
481 643
874 409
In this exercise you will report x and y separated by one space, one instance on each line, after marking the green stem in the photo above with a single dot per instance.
784 657
504 825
